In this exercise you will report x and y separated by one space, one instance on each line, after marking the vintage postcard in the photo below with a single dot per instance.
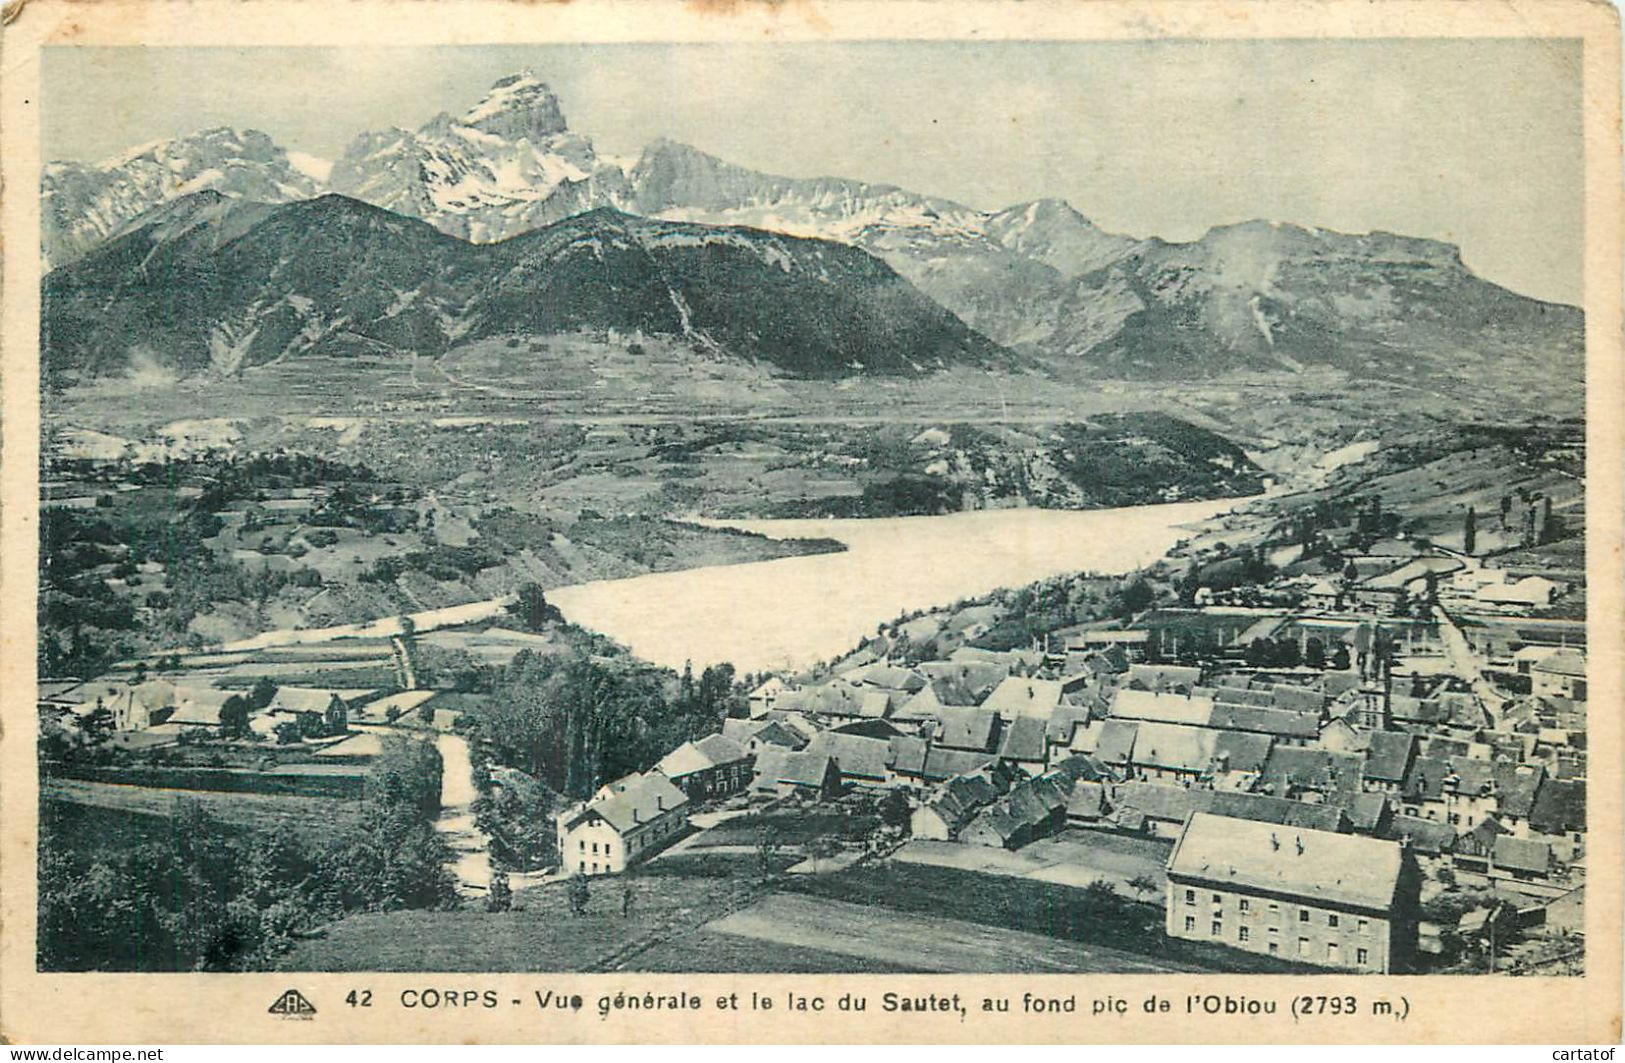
807 522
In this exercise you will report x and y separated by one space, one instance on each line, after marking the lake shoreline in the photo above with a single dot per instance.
791 613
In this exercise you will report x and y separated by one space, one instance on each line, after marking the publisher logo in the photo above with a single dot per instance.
293 1005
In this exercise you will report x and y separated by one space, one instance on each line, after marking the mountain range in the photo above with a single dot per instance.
209 283
1038 278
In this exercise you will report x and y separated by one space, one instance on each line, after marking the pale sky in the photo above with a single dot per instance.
1475 142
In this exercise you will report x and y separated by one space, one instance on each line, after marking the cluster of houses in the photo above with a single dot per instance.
153 713
1309 804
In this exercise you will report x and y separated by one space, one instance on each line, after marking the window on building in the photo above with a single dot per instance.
1362 957
1303 915
1363 926
1331 951
1243 934
1218 898
1190 896
1274 931
595 847
1303 947
583 845
1190 924
1218 928
1246 906
1331 920
1275 948
582 866
1275 909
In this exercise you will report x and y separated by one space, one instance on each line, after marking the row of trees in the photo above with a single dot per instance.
574 720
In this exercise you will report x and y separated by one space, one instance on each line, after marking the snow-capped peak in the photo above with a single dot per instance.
518 106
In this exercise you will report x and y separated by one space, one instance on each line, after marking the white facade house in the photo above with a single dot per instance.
628 821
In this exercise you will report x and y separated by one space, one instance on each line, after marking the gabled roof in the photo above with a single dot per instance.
1425 835
959 797
1162 676
1310 769
776 734
1129 704
1425 781
1170 745
630 801
892 677
1255 697
709 752
1517 787
1088 801
1560 807
834 698
965 728
1021 697
1116 745
1388 755
964 682
1365 811
776 766
1266 721
945 763
1280 810
1171 804
907 756
1067 719
1297 699
201 705
1236 751
855 756
1563 662
1320 866
874 704
1026 739
1522 854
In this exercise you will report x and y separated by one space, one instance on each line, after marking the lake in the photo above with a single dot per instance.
796 611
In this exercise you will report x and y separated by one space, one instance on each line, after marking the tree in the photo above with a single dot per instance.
500 896
767 850
406 775
234 717
894 810
578 895
533 609
262 693
1314 653
287 733
96 726
1134 597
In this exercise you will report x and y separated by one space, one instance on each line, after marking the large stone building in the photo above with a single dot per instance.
626 822
1310 896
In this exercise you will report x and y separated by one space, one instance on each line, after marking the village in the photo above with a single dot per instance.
1377 768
